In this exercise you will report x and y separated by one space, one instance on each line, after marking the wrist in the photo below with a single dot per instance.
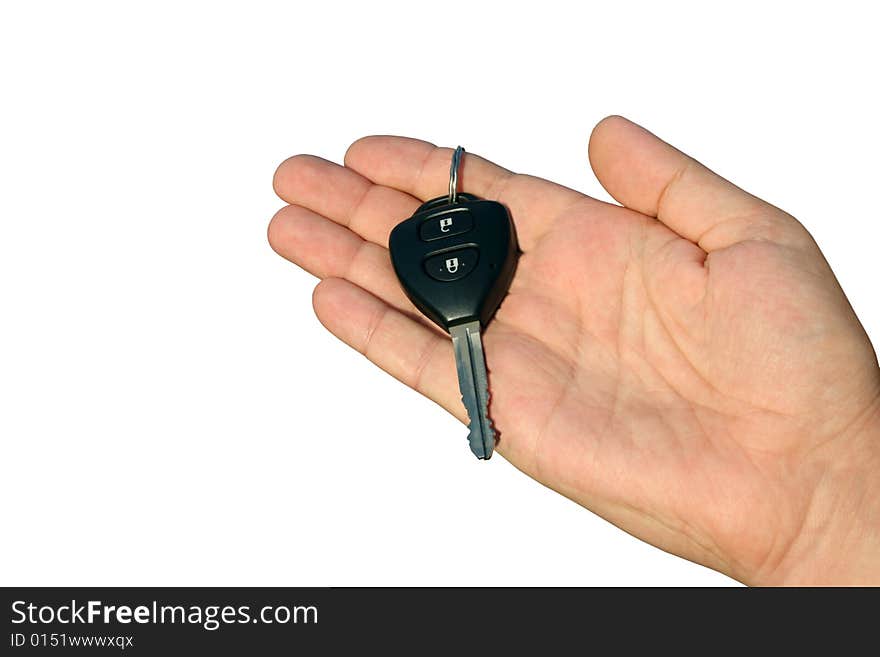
839 543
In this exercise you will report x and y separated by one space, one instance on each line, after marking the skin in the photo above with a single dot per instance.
684 364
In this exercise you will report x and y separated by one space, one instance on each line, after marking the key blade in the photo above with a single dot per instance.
474 385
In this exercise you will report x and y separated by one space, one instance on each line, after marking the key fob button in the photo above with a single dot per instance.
452 265
446 224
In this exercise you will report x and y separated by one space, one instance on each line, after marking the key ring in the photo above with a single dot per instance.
453 175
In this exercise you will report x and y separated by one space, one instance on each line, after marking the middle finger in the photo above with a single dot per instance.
343 195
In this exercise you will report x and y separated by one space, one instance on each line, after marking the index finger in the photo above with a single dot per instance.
421 169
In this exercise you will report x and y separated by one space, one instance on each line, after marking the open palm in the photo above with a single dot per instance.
686 365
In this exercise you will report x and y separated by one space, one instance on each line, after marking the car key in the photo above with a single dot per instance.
455 259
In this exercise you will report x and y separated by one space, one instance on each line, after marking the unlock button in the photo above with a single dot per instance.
446 224
452 265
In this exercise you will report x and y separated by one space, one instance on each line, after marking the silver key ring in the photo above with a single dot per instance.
453 174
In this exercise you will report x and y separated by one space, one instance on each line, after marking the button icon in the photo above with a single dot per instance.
444 225
452 265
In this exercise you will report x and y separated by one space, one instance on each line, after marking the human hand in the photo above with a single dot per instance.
686 366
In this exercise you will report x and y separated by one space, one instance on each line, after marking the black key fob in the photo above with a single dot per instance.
455 261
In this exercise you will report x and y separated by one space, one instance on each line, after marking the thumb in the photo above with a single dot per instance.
644 173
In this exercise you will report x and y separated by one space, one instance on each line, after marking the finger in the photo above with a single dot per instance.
343 195
326 249
648 175
422 170
402 347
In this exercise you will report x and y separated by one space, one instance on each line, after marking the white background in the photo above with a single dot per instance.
171 412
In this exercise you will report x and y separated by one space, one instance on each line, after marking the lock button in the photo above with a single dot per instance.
452 265
446 224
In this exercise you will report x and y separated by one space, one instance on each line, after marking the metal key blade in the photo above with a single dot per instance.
474 385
